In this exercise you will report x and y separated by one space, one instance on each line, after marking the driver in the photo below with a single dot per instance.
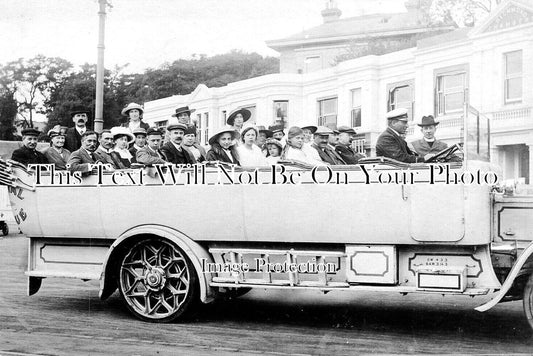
429 145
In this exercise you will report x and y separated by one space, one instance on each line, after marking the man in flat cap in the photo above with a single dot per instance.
173 150
344 146
81 159
140 142
56 153
319 149
391 144
27 154
429 144
151 154
79 116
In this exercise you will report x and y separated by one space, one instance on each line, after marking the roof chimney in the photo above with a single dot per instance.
331 13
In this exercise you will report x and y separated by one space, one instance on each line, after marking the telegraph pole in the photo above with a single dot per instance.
99 109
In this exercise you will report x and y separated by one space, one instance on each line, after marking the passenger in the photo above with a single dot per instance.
134 113
391 144
151 154
190 143
103 153
173 150
333 139
56 153
344 146
277 132
429 144
262 136
140 142
293 149
222 148
319 148
120 154
250 154
80 159
237 118
308 134
183 115
79 116
274 148
27 154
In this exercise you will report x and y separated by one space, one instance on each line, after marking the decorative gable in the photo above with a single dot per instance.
510 16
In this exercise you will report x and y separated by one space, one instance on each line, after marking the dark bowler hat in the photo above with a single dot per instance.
183 109
311 128
139 131
153 131
30 131
80 110
245 116
276 128
264 130
428 121
398 114
347 130
176 126
191 130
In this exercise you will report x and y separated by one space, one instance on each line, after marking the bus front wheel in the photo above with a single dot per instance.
528 300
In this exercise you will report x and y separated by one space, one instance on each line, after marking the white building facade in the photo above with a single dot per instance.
489 66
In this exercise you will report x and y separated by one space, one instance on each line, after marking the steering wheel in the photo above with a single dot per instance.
445 155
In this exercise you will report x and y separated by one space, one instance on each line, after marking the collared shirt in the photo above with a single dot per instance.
396 132
81 130
228 152
178 147
134 125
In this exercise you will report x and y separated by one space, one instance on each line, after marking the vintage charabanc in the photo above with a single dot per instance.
183 234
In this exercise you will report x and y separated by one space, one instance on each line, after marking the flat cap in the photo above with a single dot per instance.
176 126
30 131
153 131
346 129
139 131
323 131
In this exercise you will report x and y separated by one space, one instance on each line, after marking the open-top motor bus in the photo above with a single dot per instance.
166 236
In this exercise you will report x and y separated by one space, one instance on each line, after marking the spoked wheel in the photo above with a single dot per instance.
157 281
528 300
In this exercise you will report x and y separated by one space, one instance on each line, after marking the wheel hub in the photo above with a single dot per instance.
155 279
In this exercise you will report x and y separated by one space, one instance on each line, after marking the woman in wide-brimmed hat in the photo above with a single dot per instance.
238 118
121 154
250 154
222 147
133 112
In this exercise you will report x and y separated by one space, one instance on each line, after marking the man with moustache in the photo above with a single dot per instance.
27 154
391 143
82 159
319 149
344 146
56 153
103 152
151 154
173 150
79 116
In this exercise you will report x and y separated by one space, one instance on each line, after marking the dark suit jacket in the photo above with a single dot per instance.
174 156
220 155
330 157
102 156
348 154
27 156
79 160
58 159
72 139
148 156
391 145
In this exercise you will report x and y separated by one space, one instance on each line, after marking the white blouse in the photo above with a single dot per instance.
251 157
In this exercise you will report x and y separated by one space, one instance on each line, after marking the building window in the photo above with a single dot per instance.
161 124
401 95
281 108
356 108
451 89
513 77
313 63
224 116
327 112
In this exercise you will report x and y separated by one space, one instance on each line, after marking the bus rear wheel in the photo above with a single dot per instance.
528 300
157 281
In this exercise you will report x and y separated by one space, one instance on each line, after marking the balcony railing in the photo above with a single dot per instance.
520 114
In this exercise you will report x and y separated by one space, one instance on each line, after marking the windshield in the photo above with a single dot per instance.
477 137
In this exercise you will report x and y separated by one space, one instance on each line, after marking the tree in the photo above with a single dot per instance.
462 12
32 81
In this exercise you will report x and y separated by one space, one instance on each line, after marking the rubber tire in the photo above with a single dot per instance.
5 230
191 299
528 301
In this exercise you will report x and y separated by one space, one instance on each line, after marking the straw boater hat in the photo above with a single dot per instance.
311 128
428 121
119 131
231 130
182 110
245 116
131 106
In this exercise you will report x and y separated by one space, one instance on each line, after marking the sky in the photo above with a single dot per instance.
148 33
